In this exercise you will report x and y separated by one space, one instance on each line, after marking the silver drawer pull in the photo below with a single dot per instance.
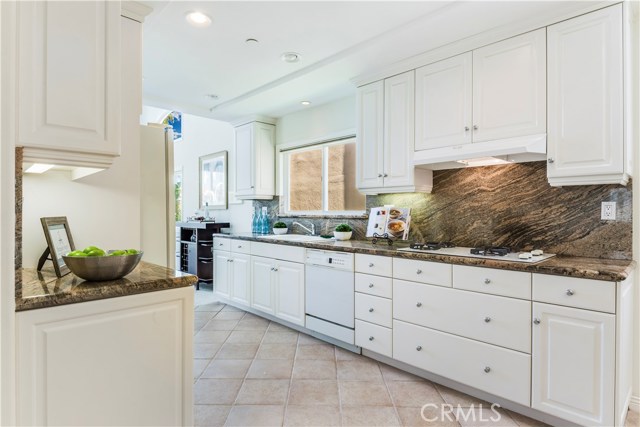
220 244
487 319
418 271
419 348
275 269
371 285
418 304
371 338
570 292
371 310
487 281
487 369
230 260
536 321
370 264
239 246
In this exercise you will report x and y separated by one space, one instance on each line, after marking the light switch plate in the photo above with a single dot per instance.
608 211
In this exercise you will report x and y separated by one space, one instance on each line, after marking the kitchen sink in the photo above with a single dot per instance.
295 238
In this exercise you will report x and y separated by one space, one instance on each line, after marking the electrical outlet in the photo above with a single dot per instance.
608 212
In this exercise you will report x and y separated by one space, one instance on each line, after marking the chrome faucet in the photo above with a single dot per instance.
311 231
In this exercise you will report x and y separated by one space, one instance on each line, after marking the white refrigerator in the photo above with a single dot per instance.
158 240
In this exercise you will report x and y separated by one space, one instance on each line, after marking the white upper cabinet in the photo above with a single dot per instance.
255 161
443 103
386 115
68 81
585 96
509 83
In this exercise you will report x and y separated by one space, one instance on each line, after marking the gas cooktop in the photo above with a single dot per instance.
485 252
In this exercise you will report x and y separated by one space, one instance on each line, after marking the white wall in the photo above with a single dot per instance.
202 136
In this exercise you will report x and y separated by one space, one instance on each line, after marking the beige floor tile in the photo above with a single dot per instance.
263 392
484 417
214 391
314 369
205 350
311 416
277 327
457 398
315 352
204 315
198 366
245 337
211 336
213 306
273 369
430 416
210 415
276 351
280 337
523 421
358 370
232 368
230 315
199 324
633 419
237 351
369 416
232 308
220 325
313 392
364 393
413 394
342 354
252 325
393 374
305 339
255 415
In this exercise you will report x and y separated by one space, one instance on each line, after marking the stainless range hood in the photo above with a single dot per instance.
529 148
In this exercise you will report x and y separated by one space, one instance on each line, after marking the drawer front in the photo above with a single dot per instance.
221 244
433 273
499 371
373 337
514 284
374 285
573 292
373 309
283 252
240 246
496 320
374 264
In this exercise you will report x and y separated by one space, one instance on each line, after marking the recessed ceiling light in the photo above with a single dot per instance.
305 102
198 19
290 57
251 41
212 96
38 168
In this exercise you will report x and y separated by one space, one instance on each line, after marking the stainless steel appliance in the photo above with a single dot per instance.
329 294
487 252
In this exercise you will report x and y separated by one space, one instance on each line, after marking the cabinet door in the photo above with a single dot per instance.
262 285
69 76
509 82
241 279
369 143
290 292
244 160
585 96
221 272
573 364
399 117
192 258
443 103
264 159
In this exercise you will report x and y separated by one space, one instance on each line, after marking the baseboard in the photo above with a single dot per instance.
634 404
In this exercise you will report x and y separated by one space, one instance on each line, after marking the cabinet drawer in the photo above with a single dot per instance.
374 264
221 243
374 285
514 284
499 371
373 337
373 309
240 246
434 273
283 252
573 292
496 320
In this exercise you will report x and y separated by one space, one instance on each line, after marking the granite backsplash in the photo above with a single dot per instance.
511 205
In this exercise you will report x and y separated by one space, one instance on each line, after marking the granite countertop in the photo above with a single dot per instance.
43 289
586 268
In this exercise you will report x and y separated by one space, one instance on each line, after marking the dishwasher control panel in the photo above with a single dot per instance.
338 260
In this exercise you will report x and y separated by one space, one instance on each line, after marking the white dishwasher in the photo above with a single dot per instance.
329 294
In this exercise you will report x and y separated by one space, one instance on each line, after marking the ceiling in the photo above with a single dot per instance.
337 41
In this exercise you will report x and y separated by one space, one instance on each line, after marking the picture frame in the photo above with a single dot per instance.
59 242
213 181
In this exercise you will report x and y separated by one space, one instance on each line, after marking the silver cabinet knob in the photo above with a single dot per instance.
230 260
418 304
371 338
275 269
466 128
487 319
370 264
371 310
536 321
371 285
239 246
487 369
570 292
475 127
379 175
252 186
550 160
487 281
418 271
385 175
419 348
220 244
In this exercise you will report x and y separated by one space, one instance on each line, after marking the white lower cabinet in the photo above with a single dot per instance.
574 364
374 337
240 278
118 361
221 273
262 285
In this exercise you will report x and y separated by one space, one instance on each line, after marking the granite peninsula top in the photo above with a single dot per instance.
611 270
43 289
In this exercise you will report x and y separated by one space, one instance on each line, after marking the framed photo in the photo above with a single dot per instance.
59 242
213 181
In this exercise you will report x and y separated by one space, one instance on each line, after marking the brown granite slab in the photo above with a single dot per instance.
582 267
43 289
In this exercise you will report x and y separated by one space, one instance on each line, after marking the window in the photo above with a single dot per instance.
321 179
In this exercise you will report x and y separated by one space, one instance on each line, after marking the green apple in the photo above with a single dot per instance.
118 253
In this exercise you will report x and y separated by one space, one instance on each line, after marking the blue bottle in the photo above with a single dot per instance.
255 221
265 223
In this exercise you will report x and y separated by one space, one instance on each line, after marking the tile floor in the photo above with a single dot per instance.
249 371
